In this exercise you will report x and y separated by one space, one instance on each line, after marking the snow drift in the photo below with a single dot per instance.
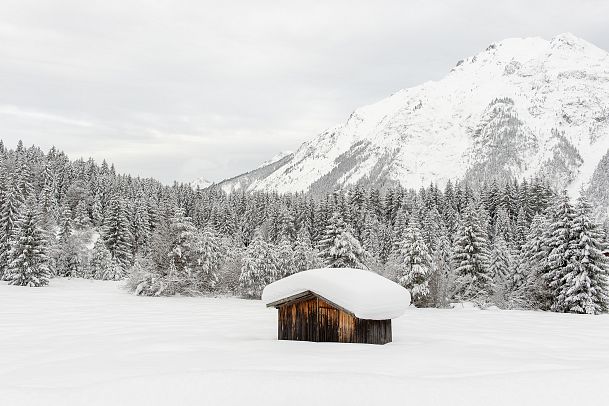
83 342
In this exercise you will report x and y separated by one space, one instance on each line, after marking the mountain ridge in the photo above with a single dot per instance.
522 107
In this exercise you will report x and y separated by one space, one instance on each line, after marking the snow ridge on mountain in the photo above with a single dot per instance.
521 107
201 183
277 157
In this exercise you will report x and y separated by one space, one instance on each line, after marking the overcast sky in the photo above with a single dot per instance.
183 89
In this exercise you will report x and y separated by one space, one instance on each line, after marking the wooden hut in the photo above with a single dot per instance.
336 305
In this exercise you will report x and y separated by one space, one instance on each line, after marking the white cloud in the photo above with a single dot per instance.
182 89
36 115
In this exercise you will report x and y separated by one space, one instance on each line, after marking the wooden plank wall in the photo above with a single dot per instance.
298 321
313 319
354 330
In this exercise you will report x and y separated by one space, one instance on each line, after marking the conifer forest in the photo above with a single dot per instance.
513 244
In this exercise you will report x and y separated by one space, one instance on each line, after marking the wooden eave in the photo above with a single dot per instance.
308 294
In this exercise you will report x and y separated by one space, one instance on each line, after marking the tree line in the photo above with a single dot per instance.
512 244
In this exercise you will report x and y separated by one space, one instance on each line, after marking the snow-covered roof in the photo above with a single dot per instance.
365 294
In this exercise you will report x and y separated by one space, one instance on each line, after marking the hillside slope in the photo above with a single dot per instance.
519 108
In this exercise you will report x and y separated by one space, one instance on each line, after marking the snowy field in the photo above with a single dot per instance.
83 342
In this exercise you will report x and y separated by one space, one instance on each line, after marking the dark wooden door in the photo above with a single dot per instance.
328 323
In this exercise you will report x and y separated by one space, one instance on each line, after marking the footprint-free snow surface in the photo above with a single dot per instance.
80 342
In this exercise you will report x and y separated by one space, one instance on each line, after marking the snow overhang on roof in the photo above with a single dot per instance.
366 294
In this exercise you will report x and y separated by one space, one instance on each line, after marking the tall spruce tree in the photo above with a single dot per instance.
338 247
65 223
471 259
117 234
585 287
259 267
209 259
305 256
559 236
9 215
81 215
415 265
441 279
183 240
500 270
28 260
101 265
503 227
285 257
141 228
530 285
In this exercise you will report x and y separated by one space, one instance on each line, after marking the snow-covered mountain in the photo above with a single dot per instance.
521 107
275 158
201 183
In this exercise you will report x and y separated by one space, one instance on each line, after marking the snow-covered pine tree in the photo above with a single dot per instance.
491 197
142 278
415 265
529 282
285 226
272 225
338 248
305 256
117 234
401 222
116 271
471 259
97 212
65 224
431 223
500 270
334 227
160 244
141 228
441 279
9 215
182 255
521 229
370 234
386 243
67 255
285 257
81 215
209 259
229 272
173 282
48 195
452 220
524 200
559 237
585 288
508 199
23 177
259 267
100 265
486 223
28 261
503 227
